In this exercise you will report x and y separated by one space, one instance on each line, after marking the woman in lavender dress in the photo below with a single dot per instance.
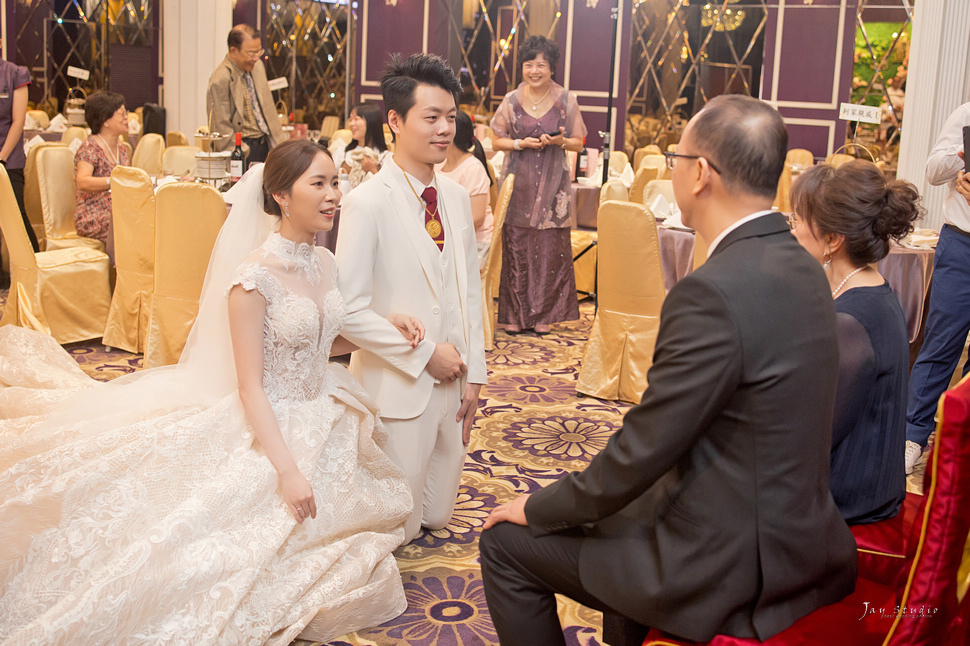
535 125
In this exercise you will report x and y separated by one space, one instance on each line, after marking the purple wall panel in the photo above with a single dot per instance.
809 38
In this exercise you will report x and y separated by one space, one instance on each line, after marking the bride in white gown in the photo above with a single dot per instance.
240 497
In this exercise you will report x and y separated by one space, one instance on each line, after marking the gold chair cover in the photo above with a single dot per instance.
55 179
493 264
618 161
653 149
179 160
176 138
133 222
35 212
657 187
801 157
782 198
63 293
838 159
614 190
700 250
72 133
653 160
342 135
631 293
584 267
329 126
644 176
638 156
148 153
41 117
187 220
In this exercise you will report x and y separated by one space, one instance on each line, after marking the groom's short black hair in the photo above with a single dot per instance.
402 76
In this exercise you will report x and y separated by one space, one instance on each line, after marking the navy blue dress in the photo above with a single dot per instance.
867 476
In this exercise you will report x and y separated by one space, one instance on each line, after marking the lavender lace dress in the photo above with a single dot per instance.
538 285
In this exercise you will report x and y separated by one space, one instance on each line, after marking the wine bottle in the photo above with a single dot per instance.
581 159
236 161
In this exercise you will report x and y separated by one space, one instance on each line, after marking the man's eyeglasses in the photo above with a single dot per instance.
671 159
253 55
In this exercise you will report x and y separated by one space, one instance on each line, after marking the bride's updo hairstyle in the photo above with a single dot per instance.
856 202
284 165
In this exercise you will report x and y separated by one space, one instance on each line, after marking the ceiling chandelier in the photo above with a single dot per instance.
722 18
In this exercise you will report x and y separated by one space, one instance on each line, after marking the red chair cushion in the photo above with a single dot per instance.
883 556
861 619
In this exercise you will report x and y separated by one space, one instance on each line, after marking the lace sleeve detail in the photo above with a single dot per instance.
252 276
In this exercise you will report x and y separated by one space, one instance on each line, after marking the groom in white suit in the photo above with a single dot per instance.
407 245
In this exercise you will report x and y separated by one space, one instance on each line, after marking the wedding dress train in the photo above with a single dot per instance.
168 526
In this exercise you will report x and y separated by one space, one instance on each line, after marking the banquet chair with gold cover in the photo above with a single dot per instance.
638 156
40 117
620 347
179 160
700 251
58 199
657 187
188 217
72 133
176 138
35 212
914 568
493 262
133 221
614 190
329 126
148 153
63 293
783 195
800 157
644 176
618 161
342 135
837 159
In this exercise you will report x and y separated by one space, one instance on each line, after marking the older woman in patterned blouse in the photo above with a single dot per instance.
108 119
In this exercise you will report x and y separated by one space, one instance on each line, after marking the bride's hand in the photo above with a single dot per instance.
298 495
410 327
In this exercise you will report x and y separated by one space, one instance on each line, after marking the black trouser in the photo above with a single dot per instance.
522 574
258 149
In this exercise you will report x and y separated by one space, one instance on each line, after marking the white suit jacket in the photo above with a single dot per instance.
388 264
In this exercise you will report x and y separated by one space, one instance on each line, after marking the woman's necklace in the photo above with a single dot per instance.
835 292
113 156
535 104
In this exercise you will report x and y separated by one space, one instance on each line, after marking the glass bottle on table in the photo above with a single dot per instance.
236 161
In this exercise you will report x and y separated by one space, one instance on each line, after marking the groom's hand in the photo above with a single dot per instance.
445 364
466 414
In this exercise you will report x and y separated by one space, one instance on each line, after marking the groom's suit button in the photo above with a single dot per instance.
435 310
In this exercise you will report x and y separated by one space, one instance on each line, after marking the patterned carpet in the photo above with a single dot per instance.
532 429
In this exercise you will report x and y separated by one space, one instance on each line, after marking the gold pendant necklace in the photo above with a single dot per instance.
432 226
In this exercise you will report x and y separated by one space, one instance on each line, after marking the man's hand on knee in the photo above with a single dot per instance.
510 512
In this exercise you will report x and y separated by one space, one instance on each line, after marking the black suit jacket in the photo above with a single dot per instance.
709 510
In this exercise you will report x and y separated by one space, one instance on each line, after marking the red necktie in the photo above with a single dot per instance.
432 222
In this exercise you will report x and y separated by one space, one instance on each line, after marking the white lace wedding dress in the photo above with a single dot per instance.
170 528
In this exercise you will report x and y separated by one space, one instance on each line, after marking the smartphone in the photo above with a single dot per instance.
966 147
556 133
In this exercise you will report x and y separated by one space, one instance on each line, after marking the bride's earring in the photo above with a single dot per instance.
826 262
286 211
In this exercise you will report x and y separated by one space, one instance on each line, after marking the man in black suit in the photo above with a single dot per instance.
709 511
